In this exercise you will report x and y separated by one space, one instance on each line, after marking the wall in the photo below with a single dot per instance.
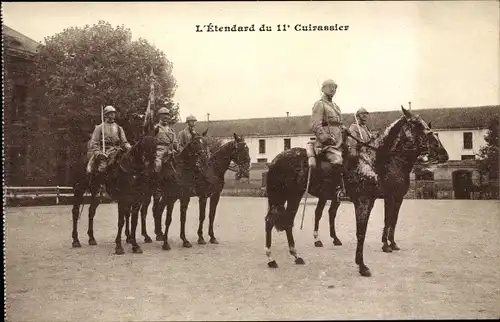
452 141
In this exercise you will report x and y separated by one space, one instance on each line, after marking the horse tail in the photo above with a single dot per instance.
277 215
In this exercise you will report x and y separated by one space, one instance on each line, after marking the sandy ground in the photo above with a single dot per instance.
448 267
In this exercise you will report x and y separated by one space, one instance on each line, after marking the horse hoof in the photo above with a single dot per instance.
214 240
165 246
187 244
92 242
318 243
365 271
148 240
119 251
337 242
395 247
386 249
159 238
201 241
299 261
136 250
272 264
76 244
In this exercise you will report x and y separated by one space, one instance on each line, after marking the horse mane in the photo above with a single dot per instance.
389 135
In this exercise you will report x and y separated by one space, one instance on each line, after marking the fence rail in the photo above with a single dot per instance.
36 192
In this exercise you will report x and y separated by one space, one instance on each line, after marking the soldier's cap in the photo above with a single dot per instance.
109 109
190 118
362 110
163 110
328 82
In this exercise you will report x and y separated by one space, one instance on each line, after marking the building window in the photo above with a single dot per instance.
262 146
467 140
287 143
468 157
262 160
18 102
424 175
312 139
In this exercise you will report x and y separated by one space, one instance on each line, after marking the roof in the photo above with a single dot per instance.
17 43
441 118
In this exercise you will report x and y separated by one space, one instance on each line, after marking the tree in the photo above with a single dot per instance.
80 70
488 155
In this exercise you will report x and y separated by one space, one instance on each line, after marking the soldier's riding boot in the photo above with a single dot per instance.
90 164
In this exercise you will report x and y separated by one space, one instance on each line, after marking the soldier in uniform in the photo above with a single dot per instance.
187 133
114 138
359 130
166 141
326 124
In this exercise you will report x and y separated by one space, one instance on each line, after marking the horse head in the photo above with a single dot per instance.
419 137
241 156
196 154
141 157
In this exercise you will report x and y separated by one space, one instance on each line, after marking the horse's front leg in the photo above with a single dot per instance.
134 209
363 206
389 204
318 213
397 205
144 204
168 220
203 205
77 201
184 206
122 211
92 210
332 213
214 201
159 204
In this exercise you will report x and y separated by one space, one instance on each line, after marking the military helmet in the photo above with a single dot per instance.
163 110
109 109
362 110
191 118
329 82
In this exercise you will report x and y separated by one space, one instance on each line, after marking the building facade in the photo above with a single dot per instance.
460 130
19 56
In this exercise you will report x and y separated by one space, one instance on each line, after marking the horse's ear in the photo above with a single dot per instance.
430 125
205 132
406 113
236 137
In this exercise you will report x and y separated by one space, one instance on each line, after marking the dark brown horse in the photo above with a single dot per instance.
235 150
124 180
179 179
394 183
221 156
401 143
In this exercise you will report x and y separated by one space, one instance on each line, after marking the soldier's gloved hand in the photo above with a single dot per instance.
329 141
128 147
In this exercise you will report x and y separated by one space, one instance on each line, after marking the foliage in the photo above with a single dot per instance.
80 70
489 161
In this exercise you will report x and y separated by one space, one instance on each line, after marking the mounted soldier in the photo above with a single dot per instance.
326 124
360 131
114 139
166 139
187 133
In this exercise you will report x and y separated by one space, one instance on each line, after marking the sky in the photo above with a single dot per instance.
434 54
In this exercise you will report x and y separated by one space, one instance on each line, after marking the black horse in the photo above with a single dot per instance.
394 184
401 143
221 156
124 181
235 150
180 178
